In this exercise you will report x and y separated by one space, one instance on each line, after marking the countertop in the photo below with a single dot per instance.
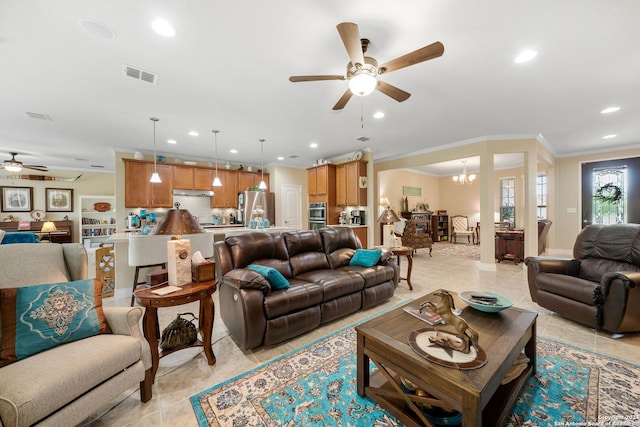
228 230
348 225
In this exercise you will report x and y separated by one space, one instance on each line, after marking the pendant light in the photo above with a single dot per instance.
263 185
155 178
216 180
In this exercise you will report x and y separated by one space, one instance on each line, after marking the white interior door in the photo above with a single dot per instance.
292 206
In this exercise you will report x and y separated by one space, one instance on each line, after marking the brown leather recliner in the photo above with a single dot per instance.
600 286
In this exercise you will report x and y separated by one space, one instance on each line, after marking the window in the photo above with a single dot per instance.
609 195
541 195
508 200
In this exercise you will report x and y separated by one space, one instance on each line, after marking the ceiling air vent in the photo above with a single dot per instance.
139 74
293 156
39 116
363 139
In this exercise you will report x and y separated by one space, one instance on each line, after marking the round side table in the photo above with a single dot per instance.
188 293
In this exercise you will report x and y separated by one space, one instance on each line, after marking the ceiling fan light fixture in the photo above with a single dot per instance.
13 166
362 83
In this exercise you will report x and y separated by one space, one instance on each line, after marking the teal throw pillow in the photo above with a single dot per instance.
365 257
273 276
37 318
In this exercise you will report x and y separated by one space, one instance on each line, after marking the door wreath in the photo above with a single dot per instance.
610 193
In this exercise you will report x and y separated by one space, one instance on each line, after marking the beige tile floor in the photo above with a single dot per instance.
186 372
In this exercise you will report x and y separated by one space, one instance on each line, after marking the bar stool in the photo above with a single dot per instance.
146 252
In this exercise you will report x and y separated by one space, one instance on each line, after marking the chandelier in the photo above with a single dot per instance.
463 178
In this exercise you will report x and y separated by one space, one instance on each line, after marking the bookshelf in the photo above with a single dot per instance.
96 225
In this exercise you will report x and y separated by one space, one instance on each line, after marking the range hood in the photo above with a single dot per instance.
194 193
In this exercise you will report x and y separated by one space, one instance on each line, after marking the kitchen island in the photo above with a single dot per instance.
125 273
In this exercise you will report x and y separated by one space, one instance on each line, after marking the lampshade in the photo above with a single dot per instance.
48 227
384 201
388 216
178 222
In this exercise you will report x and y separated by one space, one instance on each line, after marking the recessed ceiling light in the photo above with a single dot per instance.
280 157
610 110
172 141
313 145
234 151
163 28
378 115
613 135
97 29
526 56
193 133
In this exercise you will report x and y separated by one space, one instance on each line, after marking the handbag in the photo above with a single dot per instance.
179 333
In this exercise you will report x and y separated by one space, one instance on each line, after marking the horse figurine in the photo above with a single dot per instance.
443 307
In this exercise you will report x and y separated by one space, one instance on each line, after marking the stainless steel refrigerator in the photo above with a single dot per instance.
251 201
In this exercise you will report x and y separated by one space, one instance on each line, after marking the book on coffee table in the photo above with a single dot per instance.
426 315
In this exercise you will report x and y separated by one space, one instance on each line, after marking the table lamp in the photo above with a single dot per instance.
176 223
48 227
388 217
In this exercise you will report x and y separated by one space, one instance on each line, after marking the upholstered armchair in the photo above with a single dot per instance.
63 384
410 237
460 227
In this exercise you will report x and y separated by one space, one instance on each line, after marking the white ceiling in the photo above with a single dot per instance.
228 65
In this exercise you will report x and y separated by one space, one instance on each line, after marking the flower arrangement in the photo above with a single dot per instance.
610 193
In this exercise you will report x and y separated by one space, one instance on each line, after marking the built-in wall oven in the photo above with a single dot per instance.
317 215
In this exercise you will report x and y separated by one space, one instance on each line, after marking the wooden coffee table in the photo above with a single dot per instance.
476 393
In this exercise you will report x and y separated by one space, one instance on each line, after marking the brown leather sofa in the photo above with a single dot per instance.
600 286
323 286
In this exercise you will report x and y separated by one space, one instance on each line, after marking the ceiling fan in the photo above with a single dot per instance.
363 71
14 165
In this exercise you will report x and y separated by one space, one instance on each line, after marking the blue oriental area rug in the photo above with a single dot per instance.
316 386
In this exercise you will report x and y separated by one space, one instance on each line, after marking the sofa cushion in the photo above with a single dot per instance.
372 275
334 283
247 248
299 296
365 257
273 276
37 318
306 251
64 373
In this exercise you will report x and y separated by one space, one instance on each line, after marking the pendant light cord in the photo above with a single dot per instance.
154 120
215 136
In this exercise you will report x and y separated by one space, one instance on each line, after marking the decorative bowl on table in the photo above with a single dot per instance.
489 302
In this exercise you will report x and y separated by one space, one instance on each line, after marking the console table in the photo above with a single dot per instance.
64 233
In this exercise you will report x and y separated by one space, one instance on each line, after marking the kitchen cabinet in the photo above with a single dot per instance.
227 195
140 193
203 179
321 182
246 180
349 191
183 177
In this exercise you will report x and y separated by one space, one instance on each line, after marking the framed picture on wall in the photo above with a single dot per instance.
17 199
59 199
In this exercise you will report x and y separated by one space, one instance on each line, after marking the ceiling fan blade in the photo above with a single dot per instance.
36 168
392 91
432 51
296 79
343 100
350 36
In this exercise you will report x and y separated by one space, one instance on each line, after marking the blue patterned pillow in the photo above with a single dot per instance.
37 318
365 257
273 276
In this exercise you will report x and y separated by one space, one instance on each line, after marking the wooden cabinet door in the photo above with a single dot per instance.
341 185
231 193
356 196
245 180
183 177
162 192
136 184
321 180
312 183
202 179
